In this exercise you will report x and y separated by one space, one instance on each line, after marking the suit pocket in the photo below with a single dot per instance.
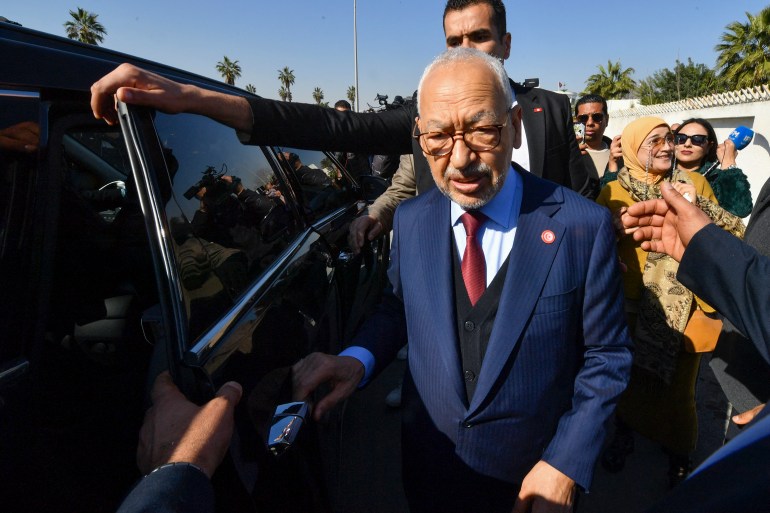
555 302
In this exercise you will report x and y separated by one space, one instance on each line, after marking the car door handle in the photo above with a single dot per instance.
345 257
287 421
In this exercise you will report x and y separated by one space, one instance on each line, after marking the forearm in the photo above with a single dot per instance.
231 110
319 128
402 188
605 369
384 332
738 284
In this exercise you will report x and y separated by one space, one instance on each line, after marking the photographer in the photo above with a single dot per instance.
230 214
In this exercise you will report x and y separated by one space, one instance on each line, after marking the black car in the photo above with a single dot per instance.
164 243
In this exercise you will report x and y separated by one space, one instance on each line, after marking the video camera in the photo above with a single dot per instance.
216 188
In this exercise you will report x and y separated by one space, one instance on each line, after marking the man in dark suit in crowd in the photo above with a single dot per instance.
512 372
733 277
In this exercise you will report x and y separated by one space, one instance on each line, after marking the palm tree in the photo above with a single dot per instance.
251 88
286 77
318 95
352 95
611 83
84 27
283 93
230 70
744 53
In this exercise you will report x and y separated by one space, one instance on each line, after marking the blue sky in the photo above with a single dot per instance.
556 41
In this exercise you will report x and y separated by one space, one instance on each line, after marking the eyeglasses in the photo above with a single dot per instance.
480 138
697 139
598 117
657 142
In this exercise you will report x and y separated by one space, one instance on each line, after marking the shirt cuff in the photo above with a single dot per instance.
366 358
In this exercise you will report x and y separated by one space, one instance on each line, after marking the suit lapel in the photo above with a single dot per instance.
435 242
528 267
534 125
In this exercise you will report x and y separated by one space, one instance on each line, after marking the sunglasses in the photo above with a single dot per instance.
598 117
697 140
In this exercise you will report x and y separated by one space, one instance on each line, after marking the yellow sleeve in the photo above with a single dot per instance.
702 187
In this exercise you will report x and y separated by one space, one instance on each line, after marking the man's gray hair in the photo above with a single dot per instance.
465 55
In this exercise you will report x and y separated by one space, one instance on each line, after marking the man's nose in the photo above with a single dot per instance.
461 155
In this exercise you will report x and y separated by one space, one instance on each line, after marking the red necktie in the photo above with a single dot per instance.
474 267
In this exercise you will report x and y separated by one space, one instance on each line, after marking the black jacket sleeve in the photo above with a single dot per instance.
732 277
171 489
312 127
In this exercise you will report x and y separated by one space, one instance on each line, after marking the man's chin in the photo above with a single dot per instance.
466 201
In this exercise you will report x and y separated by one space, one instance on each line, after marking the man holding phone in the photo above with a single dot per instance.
591 121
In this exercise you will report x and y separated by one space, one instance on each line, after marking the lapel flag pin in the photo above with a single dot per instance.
548 237
538 109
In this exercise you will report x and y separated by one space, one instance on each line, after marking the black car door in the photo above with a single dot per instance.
254 273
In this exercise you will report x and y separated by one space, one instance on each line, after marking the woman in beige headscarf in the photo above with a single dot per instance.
660 400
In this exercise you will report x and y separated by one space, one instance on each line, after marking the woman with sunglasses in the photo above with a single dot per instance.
697 151
659 402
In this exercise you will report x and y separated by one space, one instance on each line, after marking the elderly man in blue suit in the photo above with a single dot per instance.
506 288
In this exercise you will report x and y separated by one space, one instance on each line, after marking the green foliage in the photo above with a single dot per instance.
251 88
684 81
286 78
230 70
84 27
744 53
318 95
612 82
352 95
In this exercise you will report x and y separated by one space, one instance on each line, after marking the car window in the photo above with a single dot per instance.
324 187
227 214
18 122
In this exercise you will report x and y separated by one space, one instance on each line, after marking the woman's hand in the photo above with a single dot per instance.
726 153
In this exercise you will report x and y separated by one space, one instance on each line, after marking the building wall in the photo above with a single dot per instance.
750 108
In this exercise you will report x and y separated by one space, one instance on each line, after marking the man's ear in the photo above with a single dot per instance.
507 45
516 124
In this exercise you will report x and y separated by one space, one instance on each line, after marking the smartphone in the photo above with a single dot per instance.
580 132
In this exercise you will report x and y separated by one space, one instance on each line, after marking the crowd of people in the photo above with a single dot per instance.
534 316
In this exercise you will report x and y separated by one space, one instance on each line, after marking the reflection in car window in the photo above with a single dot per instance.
227 215
107 145
324 187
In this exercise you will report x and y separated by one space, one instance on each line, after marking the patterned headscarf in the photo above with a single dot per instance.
631 140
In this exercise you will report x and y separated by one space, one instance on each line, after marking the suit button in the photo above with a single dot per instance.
470 376
469 326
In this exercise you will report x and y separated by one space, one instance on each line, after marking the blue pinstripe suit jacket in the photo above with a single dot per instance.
559 353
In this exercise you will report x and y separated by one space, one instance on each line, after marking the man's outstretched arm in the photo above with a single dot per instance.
136 86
